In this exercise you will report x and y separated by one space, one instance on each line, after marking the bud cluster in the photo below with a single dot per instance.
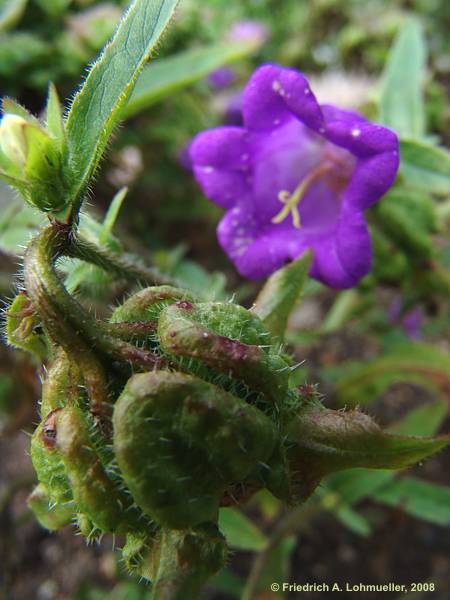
215 421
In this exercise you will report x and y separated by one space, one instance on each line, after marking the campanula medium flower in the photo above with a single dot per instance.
297 175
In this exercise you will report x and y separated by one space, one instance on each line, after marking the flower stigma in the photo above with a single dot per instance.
291 201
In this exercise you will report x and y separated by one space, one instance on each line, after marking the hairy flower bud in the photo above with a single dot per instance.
214 423
13 141
31 160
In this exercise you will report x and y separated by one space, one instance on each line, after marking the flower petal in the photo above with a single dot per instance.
372 177
221 160
286 138
334 113
257 254
274 95
327 266
361 138
353 243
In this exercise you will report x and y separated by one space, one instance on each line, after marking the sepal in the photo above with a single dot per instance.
21 328
320 442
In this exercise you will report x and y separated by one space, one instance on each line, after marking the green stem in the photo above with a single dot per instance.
44 288
66 321
292 524
120 266
187 559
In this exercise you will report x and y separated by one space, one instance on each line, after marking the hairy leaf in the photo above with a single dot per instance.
353 485
324 441
97 107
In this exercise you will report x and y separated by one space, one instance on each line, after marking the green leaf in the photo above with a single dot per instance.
353 520
54 8
54 117
194 277
166 75
111 216
96 282
353 485
14 108
409 218
227 582
239 531
18 222
401 101
11 12
423 420
425 166
280 293
418 498
320 442
97 107
417 363
340 312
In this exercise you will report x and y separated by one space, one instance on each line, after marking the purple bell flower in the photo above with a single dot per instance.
233 112
413 322
296 176
221 78
249 30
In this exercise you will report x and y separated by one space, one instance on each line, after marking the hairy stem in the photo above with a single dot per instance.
118 265
65 319
187 559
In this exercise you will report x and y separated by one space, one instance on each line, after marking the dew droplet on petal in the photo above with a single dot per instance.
276 85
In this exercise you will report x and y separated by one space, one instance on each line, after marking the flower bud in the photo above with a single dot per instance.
13 142
30 160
